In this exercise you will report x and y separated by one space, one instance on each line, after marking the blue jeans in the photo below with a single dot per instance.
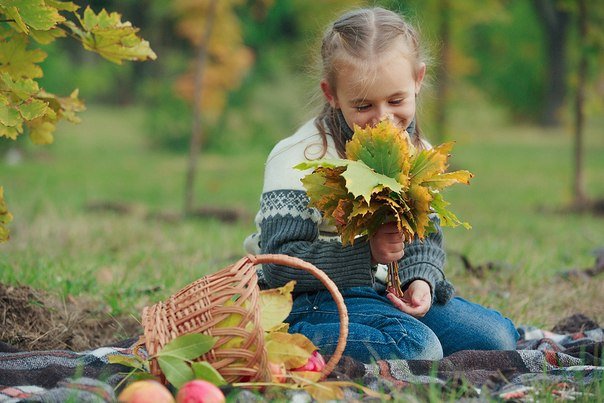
378 330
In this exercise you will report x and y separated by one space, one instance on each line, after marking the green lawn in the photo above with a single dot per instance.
523 175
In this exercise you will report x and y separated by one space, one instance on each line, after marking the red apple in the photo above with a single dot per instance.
199 391
278 372
315 363
145 391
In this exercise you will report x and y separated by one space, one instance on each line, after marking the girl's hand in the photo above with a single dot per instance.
416 300
386 244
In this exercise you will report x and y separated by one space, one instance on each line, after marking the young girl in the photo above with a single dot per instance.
372 70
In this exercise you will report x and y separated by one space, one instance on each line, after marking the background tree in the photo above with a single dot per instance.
555 19
24 106
220 63
590 43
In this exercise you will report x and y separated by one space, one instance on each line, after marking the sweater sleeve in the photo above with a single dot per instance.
288 226
425 260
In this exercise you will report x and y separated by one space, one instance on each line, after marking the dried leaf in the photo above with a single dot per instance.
275 305
290 349
324 391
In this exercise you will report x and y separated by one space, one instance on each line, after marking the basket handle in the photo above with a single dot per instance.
297 263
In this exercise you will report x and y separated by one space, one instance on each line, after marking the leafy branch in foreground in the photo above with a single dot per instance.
384 178
23 104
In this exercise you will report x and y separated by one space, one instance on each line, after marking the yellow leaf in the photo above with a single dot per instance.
40 132
305 376
5 217
105 34
324 391
234 320
281 327
421 199
292 350
275 305
449 178
10 132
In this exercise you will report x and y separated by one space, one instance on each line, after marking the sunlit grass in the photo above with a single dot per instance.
523 175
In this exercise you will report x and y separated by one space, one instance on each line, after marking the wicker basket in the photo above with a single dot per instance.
200 306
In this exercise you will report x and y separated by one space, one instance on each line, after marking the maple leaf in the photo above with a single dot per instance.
40 131
17 60
275 306
385 179
31 13
290 349
375 146
105 34
5 217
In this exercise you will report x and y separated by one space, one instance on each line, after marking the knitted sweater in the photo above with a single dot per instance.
286 225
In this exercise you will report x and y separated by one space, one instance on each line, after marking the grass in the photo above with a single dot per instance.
523 176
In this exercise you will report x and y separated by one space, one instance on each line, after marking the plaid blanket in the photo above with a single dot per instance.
565 361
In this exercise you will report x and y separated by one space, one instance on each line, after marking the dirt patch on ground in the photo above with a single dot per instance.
34 320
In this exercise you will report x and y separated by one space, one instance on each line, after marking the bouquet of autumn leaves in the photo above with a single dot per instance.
384 178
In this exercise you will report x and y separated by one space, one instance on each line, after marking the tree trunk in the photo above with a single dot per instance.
580 197
444 32
555 23
197 129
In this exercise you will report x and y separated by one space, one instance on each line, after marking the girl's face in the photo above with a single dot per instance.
385 90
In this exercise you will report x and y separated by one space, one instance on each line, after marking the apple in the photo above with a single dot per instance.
315 363
278 372
145 391
199 391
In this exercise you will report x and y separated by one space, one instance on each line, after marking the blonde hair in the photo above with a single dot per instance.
358 37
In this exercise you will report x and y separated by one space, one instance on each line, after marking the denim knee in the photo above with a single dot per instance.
391 338
412 339
429 347
502 336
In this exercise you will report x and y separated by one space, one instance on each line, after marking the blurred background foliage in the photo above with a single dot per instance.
497 52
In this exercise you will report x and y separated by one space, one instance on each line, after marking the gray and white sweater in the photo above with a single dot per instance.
286 225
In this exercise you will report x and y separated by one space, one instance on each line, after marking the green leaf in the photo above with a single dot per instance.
9 116
325 163
32 109
447 218
13 14
23 89
176 371
46 37
139 376
361 180
384 148
188 346
35 13
204 370
105 34
62 5
17 60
